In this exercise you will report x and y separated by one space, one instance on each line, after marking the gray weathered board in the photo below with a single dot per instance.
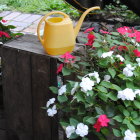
27 73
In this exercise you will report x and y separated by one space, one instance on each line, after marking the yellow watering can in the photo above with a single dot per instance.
59 35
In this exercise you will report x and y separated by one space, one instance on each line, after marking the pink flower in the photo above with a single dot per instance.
124 30
4 20
132 35
4 34
104 32
101 122
68 58
137 53
137 36
59 69
91 38
89 30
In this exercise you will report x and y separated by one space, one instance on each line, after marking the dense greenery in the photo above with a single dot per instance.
37 6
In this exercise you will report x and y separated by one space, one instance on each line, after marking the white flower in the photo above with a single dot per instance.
128 70
126 94
51 101
74 88
69 130
62 90
107 54
134 41
107 78
137 91
138 60
82 130
52 111
96 75
130 135
86 84
120 57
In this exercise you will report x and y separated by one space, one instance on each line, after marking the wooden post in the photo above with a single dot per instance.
27 73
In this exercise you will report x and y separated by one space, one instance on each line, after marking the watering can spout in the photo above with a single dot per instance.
79 24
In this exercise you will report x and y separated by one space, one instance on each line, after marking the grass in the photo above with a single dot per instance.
38 6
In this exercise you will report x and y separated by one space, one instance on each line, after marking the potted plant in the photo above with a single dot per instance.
104 99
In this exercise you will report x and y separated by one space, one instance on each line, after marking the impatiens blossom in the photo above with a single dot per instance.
51 101
137 91
120 57
122 48
69 131
68 58
96 75
101 122
128 70
107 78
91 39
107 54
74 88
138 60
82 130
124 30
4 34
104 32
52 111
62 90
4 20
59 69
86 84
126 94
89 30
137 53
130 135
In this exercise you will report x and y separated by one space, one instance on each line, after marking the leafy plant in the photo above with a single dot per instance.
105 97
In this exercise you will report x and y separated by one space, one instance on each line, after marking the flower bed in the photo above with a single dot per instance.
105 98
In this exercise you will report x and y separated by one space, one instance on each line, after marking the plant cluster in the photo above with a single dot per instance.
104 98
5 31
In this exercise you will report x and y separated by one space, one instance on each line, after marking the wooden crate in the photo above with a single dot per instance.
27 73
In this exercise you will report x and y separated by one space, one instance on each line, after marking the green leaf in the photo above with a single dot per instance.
112 96
73 136
116 87
130 84
115 33
81 110
84 63
127 103
91 120
103 96
105 131
80 97
126 113
110 110
96 44
134 114
118 118
137 104
131 127
112 72
106 84
116 132
99 111
102 89
84 138
73 122
136 121
54 89
65 124
66 71
62 98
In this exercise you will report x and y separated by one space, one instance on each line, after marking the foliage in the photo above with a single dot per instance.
5 31
37 6
105 97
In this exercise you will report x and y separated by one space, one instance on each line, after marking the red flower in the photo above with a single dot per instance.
89 30
137 53
124 30
4 34
121 63
68 57
112 48
4 20
104 32
91 38
59 69
122 48
137 36
101 122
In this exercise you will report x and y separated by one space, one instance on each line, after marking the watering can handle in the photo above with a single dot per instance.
43 19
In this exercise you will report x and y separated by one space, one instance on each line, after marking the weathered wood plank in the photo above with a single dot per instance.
17 93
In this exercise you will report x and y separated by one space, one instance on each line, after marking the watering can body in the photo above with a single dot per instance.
59 34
